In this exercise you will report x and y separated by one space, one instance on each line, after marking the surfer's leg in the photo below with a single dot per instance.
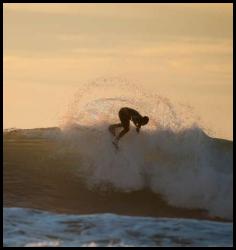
125 121
123 132
113 127
125 125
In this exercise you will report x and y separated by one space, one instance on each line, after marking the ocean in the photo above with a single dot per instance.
169 185
70 187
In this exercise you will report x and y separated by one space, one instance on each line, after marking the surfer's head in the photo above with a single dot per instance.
145 120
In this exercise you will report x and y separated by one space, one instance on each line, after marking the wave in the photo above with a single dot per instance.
172 159
188 169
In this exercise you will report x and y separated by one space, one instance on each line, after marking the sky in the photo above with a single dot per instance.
182 51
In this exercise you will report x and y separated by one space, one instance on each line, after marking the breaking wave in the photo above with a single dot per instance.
172 156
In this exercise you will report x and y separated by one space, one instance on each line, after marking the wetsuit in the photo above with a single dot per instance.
126 115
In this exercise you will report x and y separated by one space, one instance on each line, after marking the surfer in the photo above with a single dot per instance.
126 115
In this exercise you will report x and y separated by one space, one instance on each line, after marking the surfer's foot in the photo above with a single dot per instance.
115 142
115 145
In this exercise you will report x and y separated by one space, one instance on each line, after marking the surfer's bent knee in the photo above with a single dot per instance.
126 129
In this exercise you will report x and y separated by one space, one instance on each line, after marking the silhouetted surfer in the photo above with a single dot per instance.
126 115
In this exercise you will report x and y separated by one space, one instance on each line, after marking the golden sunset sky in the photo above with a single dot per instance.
182 51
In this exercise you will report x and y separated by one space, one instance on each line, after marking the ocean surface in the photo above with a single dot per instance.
72 188
169 185
35 228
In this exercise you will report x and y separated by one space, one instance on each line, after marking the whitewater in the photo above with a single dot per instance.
43 229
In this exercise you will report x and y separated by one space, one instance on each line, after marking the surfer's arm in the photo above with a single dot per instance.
138 126
136 120
137 123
